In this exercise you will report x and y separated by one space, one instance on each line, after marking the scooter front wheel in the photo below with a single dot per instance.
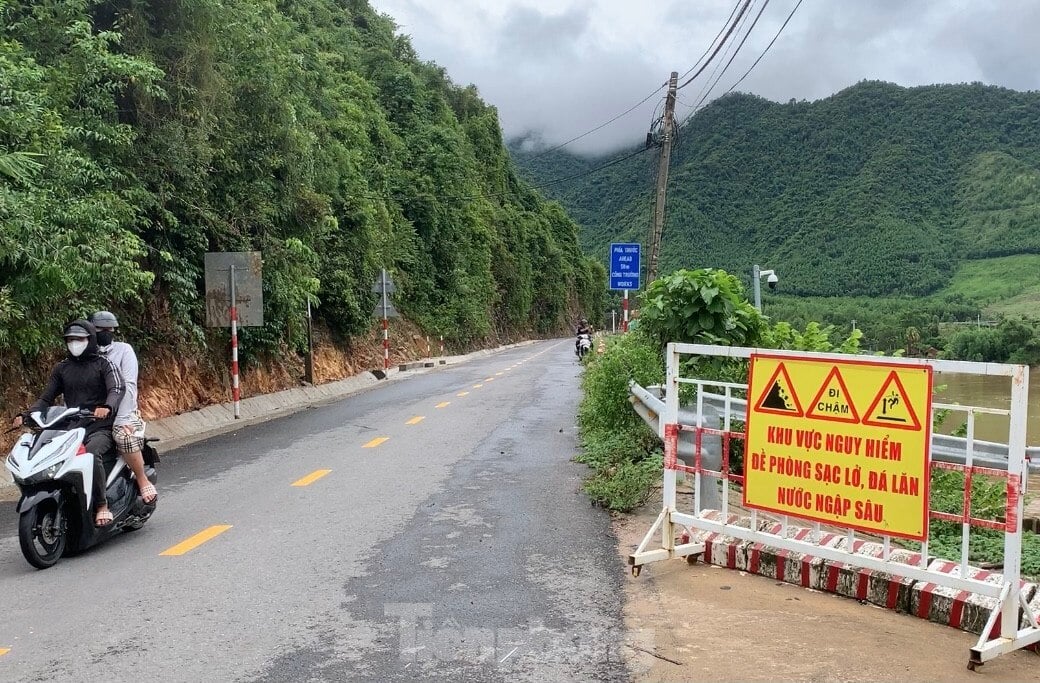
41 534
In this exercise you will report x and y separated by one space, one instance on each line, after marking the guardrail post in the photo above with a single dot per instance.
670 425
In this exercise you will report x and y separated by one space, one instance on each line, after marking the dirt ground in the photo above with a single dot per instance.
706 623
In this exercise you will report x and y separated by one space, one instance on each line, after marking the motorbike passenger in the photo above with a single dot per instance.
583 328
87 379
128 428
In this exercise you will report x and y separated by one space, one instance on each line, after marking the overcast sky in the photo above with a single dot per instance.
560 67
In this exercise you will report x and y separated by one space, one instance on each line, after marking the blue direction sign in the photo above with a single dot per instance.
624 265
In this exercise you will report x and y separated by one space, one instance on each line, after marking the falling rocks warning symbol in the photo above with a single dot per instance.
779 397
776 399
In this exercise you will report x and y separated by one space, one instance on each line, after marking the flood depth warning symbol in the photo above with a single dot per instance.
832 401
779 397
891 407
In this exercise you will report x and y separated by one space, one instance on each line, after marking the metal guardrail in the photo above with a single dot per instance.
954 449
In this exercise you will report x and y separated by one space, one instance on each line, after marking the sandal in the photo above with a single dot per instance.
149 494
104 518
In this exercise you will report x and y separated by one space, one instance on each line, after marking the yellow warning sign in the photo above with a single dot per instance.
855 456
892 407
778 396
832 401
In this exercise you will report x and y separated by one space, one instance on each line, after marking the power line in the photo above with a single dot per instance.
601 126
713 40
732 27
754 64
782 27
735 52
699 97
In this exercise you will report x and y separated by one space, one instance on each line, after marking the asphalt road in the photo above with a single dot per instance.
460 547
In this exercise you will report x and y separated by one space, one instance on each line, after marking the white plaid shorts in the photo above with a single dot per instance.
129 442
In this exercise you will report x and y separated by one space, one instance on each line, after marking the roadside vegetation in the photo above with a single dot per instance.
137 135
710 306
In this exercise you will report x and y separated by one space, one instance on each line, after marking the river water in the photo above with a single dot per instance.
990 392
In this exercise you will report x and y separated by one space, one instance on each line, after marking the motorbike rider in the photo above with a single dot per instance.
86 379
583 328
128 428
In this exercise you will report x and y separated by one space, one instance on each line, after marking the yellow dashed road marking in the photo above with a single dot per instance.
195 541
376 441
462 393
477 386
4 651
311 478
416 420
444 404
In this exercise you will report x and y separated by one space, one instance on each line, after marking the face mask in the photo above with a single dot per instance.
76 348
104 338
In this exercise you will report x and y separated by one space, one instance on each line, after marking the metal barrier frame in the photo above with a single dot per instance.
1009 597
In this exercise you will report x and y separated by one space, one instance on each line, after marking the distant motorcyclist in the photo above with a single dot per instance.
583 328
86 379
128 428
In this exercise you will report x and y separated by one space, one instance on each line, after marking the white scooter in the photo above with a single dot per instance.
584 345
54 472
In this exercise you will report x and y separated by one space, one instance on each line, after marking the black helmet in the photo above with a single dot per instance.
104 319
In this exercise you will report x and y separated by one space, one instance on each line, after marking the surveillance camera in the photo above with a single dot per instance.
772 280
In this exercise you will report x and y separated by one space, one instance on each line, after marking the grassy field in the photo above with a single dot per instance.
1008 286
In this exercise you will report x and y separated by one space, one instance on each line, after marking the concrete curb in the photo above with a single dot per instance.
958 609
181 430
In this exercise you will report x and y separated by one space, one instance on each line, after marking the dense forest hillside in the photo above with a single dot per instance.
135 135
877 190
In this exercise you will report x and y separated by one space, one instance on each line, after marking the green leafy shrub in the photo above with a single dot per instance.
705 306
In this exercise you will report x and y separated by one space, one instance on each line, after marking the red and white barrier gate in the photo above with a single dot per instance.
887 404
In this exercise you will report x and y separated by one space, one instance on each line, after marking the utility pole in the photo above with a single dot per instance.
657 230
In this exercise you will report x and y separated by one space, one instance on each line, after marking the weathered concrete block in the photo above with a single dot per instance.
876 587
801 569
719 549
959 609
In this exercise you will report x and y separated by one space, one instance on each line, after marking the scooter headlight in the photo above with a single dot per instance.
40 477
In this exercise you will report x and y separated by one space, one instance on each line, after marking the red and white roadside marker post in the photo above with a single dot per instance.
384 309
234 299
386 343
236 394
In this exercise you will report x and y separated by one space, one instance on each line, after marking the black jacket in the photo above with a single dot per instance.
87 381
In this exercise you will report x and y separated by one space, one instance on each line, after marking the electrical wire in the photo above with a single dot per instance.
716 72
782 27
735 53
713 40
755 63
732 27
601 126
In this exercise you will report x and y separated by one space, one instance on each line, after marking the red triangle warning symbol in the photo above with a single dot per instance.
779 396
833 401
891 407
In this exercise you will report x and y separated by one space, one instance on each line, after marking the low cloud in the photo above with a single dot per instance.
556 68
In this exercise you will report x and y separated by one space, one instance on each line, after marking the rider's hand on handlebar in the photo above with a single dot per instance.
101 412
17 421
